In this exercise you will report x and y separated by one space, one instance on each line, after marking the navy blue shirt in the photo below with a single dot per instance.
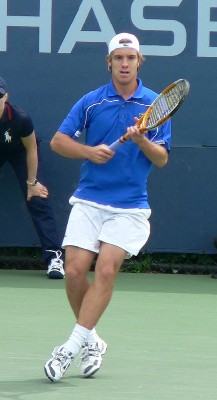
104 115
14 124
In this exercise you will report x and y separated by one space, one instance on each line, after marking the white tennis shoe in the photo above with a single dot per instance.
60 361
91 357
55 269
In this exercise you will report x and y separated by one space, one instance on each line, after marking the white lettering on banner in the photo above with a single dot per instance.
43 22
76 33
178 30
205 27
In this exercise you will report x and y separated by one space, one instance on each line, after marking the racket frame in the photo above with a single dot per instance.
142 122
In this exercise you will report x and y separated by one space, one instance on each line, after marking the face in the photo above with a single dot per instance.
124 65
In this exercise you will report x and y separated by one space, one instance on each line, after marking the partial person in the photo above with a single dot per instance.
110 209
20 148
214 275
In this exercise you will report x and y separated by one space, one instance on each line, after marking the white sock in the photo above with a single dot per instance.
93 336
77 338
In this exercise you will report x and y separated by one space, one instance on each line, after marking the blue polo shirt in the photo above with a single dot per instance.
104 116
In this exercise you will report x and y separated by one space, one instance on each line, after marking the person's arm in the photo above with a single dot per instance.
156 153
34 188
70 148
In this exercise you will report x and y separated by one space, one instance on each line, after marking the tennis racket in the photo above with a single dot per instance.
162 108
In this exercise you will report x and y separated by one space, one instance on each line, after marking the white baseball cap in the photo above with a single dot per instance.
123 40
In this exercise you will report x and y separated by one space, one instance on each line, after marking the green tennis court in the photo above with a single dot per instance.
161 332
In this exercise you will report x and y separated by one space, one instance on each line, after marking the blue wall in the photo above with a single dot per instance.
52 63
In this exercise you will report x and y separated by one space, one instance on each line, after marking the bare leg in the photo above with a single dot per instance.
77 264
88 301
98 295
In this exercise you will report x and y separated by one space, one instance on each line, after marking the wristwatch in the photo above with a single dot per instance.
33 183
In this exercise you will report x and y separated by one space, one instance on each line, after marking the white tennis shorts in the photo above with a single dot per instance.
88 226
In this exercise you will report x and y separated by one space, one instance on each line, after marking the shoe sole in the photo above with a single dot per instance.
91 373
45 371
52 379
55 275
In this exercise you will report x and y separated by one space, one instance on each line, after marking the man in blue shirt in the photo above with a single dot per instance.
110 212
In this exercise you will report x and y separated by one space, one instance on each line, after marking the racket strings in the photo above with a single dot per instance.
160 110
166 103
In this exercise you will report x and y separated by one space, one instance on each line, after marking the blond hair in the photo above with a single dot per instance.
140 57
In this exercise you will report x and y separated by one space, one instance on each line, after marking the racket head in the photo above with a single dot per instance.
165 105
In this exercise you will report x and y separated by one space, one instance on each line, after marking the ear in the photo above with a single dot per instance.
109 65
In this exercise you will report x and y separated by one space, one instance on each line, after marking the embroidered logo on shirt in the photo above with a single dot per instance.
7 136
77 134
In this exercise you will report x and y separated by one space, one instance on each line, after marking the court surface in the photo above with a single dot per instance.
161 332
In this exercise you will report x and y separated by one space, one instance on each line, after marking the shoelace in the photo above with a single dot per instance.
86 352
94 351
57 260
83 355
58 254
63 357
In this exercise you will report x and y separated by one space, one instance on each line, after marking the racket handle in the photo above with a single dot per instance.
115 145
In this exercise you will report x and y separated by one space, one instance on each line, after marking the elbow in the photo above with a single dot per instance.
53 144
161 165
162 162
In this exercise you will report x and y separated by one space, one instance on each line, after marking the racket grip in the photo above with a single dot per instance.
115 145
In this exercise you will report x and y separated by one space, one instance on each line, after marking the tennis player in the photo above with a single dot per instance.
20 148
110 210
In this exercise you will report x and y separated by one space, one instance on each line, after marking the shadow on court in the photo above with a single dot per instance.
21 389
160 330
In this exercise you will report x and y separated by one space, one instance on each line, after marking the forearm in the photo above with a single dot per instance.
32 164
157 154
67 147
34 188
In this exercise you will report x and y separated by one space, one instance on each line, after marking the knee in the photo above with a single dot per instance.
108 273
73 273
